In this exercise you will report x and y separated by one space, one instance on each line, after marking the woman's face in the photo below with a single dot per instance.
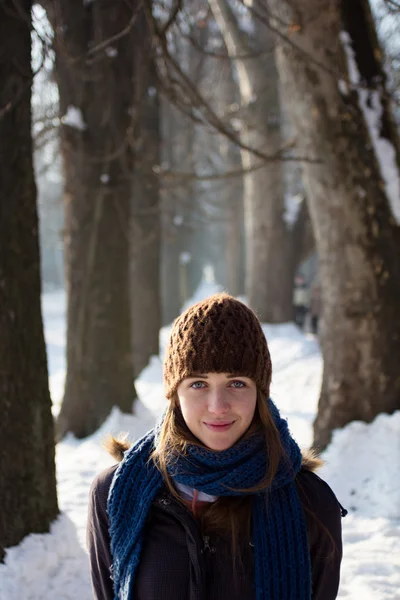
218 408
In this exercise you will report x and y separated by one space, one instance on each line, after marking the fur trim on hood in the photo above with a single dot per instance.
311 461
117 446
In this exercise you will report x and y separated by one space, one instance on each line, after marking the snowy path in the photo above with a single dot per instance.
363 467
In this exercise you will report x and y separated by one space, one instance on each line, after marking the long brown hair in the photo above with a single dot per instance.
230 516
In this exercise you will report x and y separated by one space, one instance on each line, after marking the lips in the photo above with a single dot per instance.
219 426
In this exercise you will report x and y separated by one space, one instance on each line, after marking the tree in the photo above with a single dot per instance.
182 224
330 66
170 225
222 198
95 44
232 202
270 260
179 204
145 231
28 487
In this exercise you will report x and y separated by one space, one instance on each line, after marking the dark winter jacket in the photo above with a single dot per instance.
175 556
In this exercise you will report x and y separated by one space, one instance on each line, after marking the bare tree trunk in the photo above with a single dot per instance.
145 218
187 158
185 200
28 497
269 264
196 236
356 235
232 194
172 222
181 259
96 87
170 273
234 236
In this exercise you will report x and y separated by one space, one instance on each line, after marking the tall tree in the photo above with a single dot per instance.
95 44
232 202
331 69
145 234
28 487
182 226
269 259
178 138
225 232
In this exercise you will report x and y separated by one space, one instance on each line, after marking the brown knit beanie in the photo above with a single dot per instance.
218 335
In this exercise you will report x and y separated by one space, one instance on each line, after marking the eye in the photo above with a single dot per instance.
197 385
237 384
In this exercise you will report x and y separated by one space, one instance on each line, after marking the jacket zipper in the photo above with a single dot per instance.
165 502
207 546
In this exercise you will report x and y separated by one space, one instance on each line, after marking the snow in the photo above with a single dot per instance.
185 258
371 107
73 118
343 87
237 124
111 52
292 208
362 466
178 220
361 495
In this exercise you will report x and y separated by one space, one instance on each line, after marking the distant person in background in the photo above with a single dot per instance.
301 300
217 502
315 308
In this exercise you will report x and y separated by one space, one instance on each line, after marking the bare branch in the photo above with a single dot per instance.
268 19
114 38
197 101
168 174
172 17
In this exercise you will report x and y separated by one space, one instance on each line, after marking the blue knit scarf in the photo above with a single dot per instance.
279 533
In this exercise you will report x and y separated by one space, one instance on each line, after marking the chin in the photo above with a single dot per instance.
219 445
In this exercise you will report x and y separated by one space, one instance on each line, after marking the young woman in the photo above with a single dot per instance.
217 501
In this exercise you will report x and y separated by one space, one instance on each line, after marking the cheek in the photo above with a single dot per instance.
249 410
188 408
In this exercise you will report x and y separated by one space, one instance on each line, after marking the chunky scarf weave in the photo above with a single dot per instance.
279 534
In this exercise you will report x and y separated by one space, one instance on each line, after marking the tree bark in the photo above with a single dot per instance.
231 194
171 222
356 235
234 238
269 264
181 260
145 217
95 44
28 497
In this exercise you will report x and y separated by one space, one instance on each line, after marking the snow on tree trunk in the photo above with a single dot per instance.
96 88
28 497
356 235
269 264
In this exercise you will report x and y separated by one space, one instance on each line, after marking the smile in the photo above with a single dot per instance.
219 426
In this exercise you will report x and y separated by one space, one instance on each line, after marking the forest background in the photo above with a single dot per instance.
165 143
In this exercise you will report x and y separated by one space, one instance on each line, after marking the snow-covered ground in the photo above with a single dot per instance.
362 466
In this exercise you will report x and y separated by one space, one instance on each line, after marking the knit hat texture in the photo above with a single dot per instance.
218 335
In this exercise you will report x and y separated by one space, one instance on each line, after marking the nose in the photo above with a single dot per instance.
218 403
